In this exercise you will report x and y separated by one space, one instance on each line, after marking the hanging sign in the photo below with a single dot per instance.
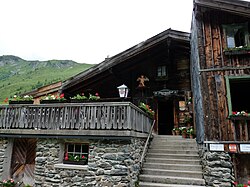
245 147
216 147
232 148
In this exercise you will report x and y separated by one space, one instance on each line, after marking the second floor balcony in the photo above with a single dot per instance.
114 119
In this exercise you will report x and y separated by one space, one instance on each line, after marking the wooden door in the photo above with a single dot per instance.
23 160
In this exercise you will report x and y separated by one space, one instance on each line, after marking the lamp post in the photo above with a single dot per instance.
123 91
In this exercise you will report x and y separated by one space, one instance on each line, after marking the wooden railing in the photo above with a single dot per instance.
241 128
72 116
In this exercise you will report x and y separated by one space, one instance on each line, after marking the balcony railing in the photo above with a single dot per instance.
74 116
241 128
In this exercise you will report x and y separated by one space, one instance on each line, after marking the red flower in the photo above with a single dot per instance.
83 156
6 100
248 182
57 97
82 94
62 95
245 185
235 183
66 158
234 113
96 94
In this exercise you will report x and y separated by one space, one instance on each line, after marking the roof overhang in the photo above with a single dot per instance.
169 34
233 6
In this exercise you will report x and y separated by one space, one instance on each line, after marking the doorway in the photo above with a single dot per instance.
23 160
165 117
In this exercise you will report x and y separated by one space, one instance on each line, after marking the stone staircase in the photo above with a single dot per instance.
172 161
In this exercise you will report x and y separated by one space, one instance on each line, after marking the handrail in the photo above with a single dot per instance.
146 144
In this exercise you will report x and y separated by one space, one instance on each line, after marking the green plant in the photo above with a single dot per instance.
54 97
190 131
76 158
79 97
21 98
8 183
94 97
147 109
27 185
183 130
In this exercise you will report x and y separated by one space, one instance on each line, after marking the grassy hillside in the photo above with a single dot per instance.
19 76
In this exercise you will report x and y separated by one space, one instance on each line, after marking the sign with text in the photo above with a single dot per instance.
232 148
216 147
245 148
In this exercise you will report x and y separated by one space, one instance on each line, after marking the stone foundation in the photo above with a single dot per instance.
3 147
217 169
111 163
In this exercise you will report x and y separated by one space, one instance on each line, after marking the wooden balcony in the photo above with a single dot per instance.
241 128
120 119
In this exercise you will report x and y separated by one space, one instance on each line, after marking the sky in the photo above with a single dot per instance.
85 31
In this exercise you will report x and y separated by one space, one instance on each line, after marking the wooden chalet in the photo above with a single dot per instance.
220 61
162 61
41 138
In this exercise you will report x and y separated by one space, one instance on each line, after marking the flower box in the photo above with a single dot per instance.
79 101
81 162
20 102
52 101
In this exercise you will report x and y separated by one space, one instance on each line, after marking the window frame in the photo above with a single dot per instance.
76 153
162 68
228 89
228 31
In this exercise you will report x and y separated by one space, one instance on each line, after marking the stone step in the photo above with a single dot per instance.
179 173
187 167
173 156
173 143
171 180
174 161
169 137
171 151
150 184
176 147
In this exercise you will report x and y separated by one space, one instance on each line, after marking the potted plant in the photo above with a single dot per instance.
190 132
176 131
188 120
26 99
94 97
78 159
8 183
183 132
78 98
146 108
52 99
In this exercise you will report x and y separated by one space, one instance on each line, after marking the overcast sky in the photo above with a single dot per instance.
86 31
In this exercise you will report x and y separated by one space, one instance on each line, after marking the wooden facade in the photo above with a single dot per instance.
162 59
213 62
220 70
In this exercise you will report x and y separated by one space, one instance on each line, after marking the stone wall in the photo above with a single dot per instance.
111 163
3 147
217 169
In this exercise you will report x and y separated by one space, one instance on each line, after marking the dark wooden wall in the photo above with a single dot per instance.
214 66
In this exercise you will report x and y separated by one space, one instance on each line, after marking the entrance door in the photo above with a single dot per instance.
165 117
23 160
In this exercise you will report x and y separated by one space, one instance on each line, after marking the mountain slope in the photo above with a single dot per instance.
19 76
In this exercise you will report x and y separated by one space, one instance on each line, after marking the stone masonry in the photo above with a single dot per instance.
111 163
3 146
217 169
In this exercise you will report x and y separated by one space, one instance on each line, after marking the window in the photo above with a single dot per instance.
161 71
237 35
238 93
76 153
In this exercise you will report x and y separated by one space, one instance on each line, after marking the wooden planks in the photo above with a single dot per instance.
105 116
